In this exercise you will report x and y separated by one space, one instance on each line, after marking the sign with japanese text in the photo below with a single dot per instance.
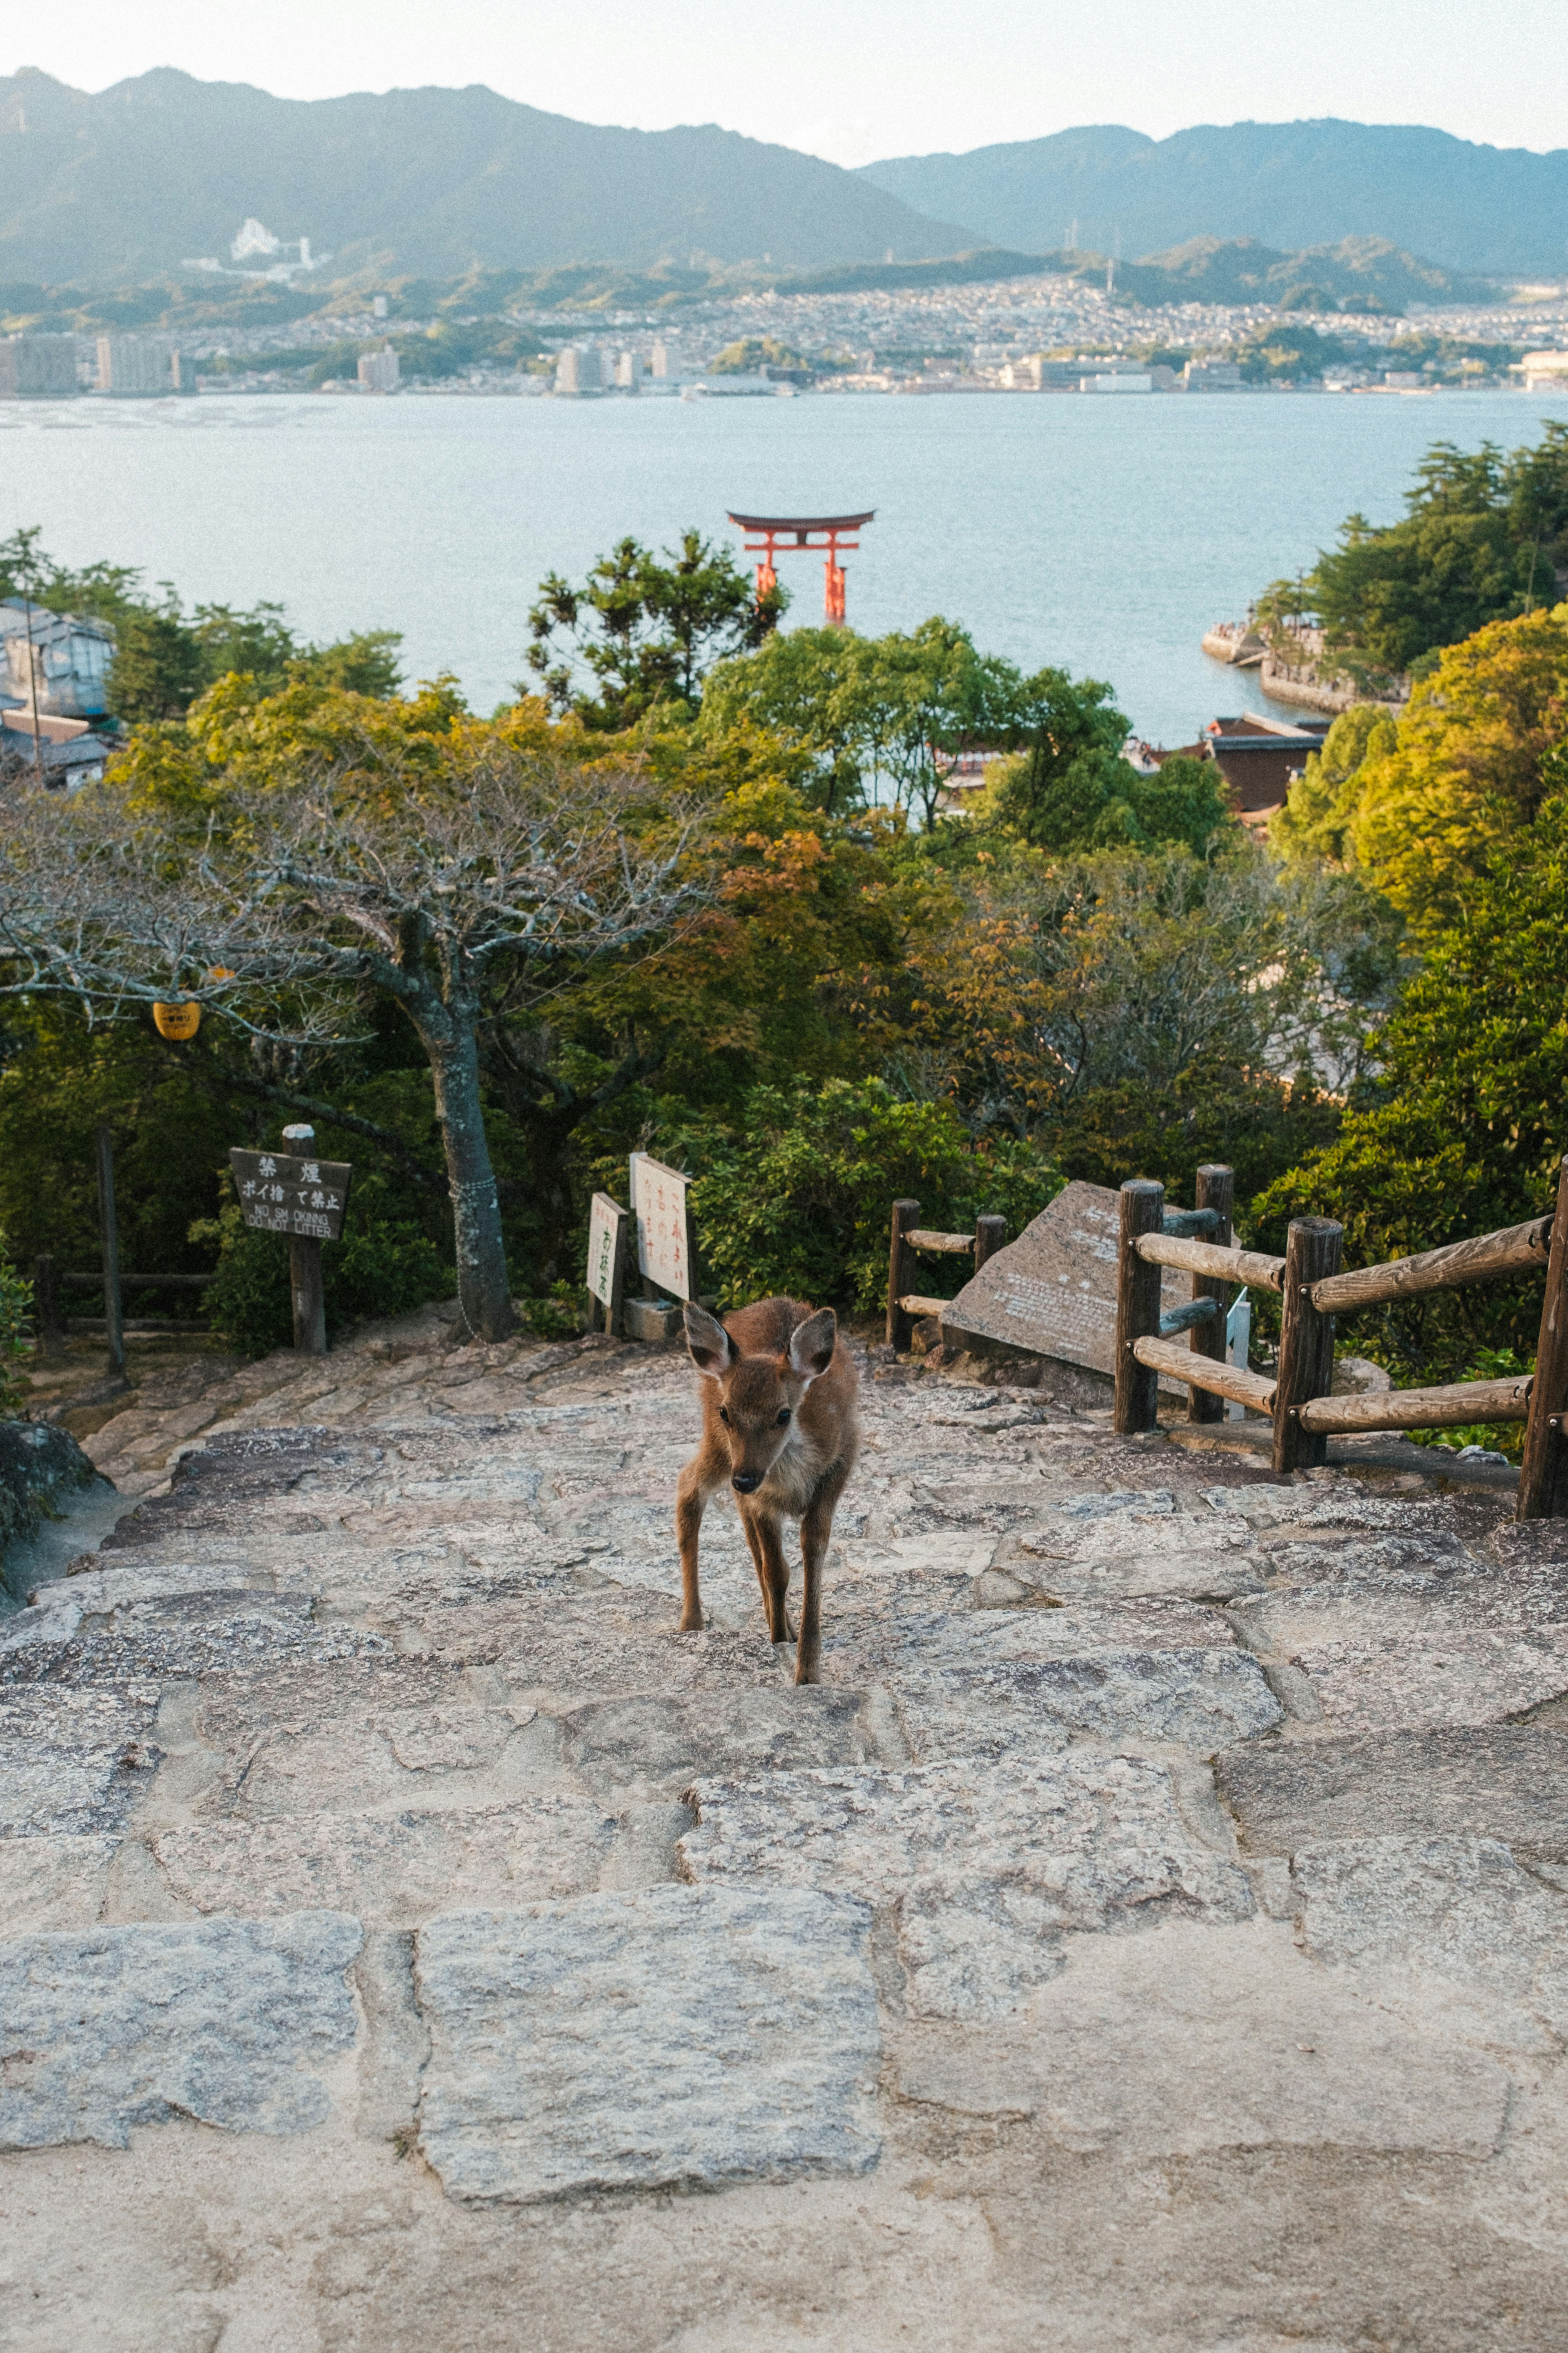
664 1227
607 1223
284 1194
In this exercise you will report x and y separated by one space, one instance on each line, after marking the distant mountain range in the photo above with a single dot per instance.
123 186
131 182
1289 184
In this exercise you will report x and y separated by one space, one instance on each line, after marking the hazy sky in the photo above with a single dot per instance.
854 79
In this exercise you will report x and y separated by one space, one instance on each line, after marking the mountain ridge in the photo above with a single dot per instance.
130 182
1493 210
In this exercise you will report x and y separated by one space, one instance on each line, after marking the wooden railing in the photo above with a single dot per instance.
904 1303
1313 1289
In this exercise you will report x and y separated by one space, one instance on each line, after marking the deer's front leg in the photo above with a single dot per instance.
698 1482
816 1534
773 1571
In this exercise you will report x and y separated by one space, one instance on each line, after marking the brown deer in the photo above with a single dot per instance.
778 1423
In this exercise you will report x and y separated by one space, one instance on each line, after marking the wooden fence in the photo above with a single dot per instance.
1313 1291
908 1239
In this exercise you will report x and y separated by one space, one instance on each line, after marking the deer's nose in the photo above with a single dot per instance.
745 1482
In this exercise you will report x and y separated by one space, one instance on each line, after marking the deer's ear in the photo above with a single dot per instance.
811 1345
712 1350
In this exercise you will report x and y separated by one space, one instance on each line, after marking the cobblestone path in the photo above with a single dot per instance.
1149 1935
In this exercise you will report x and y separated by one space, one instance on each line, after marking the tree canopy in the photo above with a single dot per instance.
1484 538
642 633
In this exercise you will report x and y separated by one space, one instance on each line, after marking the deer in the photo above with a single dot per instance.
779 1391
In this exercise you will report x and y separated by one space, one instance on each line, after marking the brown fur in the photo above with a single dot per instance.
775 1356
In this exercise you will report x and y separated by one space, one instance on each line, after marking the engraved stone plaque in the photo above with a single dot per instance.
1052 1292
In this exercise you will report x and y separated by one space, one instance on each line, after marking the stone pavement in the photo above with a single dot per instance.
1149 1936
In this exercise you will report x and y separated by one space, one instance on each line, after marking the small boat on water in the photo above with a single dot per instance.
1237 642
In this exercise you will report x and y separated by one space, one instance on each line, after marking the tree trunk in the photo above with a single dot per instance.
483 1288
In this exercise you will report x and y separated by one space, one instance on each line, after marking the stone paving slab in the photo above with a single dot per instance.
986 1867
1201 1700
109 2028
73 1760
1458 1908
54 1881
1192 2039
391 1871
1500 1781
682 2037
652 1746
183 1635
1451 1673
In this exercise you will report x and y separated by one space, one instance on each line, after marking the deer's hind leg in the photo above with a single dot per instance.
698 1480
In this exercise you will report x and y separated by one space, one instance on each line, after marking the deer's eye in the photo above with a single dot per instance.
724 1413
783 1415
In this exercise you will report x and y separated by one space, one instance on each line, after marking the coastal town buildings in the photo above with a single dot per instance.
38 367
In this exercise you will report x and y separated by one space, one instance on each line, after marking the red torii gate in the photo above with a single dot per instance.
797 530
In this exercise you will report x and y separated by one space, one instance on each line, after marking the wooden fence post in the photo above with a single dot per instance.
1313 1249
900 1273
1216 1191
305 1285
1544 1478
990 1235
109 1233
1137 1305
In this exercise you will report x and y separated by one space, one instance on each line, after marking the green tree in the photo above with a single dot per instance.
158 670
640 633
1462 1131
894 711
1317 819
1480 542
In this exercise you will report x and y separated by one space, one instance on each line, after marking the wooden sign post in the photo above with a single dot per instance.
666 1244
294 1194
609 1232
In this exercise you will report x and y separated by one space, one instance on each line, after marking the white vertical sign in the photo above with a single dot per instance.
604 1222
659 1204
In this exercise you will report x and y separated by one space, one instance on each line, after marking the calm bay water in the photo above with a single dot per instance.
1102 533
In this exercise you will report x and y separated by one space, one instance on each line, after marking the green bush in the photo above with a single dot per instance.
15 1313
796 1198
384 1266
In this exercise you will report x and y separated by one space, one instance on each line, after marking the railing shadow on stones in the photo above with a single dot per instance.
1314 1289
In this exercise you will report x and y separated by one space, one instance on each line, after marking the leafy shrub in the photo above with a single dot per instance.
384 1266
557 1317
1498 1436
796 1198
15 1313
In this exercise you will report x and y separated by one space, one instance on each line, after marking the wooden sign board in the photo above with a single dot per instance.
1052 1292
284 1194
608 1231
660 1205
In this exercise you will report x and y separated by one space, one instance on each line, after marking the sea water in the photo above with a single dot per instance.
1104 534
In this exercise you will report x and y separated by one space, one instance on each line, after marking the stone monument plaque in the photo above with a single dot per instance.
1052 1292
